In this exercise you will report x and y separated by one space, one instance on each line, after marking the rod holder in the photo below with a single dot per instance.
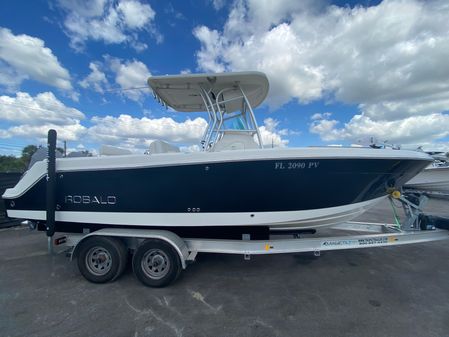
51 185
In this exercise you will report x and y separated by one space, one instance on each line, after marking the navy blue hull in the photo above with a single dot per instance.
251 186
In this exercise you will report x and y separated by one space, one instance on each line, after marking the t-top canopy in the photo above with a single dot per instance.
183 92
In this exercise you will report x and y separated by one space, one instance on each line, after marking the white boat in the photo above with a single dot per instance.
431 179
233 183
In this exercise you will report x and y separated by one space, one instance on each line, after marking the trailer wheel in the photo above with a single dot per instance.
101 259
156 263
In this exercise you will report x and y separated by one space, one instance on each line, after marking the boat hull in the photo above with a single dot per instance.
285 219
282 188
432 179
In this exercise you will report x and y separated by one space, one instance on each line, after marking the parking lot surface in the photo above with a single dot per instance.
394 291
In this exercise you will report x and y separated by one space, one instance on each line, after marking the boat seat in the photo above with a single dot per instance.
233 140
108 150
159 146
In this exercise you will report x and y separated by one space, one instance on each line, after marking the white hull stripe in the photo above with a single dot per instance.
308 218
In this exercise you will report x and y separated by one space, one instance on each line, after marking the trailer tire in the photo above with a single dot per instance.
102 259
156 263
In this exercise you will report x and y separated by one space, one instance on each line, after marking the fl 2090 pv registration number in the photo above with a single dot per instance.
296 165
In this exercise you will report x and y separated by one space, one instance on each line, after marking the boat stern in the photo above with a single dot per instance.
25 200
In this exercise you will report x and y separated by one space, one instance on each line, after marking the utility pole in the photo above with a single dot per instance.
65 148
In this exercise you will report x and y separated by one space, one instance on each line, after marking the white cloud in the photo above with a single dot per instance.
81 29
218 4
128 75
318 116
140 132
84 8
70 132
270 124
135 14
326 129
278 51
270 134
43 108
28 57
414 129
173 13
390 59
391 110
138 46
437 146
10 79
96 79
32 117
115 130
109 21
211 47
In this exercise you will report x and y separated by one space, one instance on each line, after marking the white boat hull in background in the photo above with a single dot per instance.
432 179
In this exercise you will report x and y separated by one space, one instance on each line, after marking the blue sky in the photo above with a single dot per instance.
340 72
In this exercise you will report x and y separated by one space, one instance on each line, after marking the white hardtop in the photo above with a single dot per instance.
182 92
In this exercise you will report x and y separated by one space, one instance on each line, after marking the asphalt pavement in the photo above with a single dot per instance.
393 291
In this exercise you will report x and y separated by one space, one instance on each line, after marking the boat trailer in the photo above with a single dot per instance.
160 255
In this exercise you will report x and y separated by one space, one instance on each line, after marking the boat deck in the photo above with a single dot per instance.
393 291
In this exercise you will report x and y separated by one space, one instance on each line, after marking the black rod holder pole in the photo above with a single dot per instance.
51 186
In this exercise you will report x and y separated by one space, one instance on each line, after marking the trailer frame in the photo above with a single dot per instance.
379 235
348 235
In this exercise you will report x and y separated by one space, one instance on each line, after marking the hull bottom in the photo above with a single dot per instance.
217 232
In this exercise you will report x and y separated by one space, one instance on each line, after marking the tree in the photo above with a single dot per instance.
61 150
11 164
27 153
15 164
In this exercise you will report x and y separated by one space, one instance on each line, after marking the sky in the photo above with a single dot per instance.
340 72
